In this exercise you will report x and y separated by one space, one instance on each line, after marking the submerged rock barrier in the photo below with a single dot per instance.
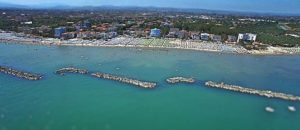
264 93
292 108
175 80
19 74
71 70
270 109
135 82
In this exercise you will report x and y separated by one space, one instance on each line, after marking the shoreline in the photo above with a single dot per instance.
155 44
156 48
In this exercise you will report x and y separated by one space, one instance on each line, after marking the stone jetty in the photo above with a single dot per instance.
19 74
138 83
71 70
175 80
264 93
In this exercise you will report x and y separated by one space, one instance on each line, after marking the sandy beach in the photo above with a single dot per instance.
165 43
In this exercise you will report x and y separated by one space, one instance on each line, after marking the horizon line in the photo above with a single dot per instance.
80 7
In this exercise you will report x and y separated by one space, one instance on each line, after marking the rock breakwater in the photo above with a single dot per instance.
264 93
135 82
20 74
175 80
71 70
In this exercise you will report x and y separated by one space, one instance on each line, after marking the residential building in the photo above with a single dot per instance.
26 30
204 36
86 35
173 33
216 38
112 34
195 35
87 24
155 32
183 34
44 29
27 23
69 35
78 28
112 29
248 37
231 39
104 36
59 31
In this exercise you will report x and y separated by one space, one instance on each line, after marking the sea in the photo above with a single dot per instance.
82 102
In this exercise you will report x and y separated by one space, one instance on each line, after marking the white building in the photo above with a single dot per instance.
247 37
27 23
204 36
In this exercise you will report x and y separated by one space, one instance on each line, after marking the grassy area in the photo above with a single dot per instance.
294 25
280 40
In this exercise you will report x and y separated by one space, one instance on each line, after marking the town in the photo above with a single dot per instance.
249 32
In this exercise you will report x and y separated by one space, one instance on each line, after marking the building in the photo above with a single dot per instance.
104 36
183 34
44 29
69 35
293 35
216 38
247 37
87 24
195 35
59 31
27 23
112 29
204 36
231 39
26 30
86 35
173 33
155 32
78 28
112 35
141 33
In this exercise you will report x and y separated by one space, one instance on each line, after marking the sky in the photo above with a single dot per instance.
265 6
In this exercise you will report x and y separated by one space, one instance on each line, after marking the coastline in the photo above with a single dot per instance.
143 43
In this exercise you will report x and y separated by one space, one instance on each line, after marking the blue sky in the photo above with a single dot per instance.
267 6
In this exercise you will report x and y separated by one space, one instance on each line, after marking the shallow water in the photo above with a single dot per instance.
77 102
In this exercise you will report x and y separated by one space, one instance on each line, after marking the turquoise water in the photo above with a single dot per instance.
76 102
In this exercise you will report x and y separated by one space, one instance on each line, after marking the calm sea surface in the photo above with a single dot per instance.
77 102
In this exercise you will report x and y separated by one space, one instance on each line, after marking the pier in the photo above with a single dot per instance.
264 93
71 70
138 83
19 74
175 80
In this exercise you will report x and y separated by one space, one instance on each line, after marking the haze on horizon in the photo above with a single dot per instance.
268 6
